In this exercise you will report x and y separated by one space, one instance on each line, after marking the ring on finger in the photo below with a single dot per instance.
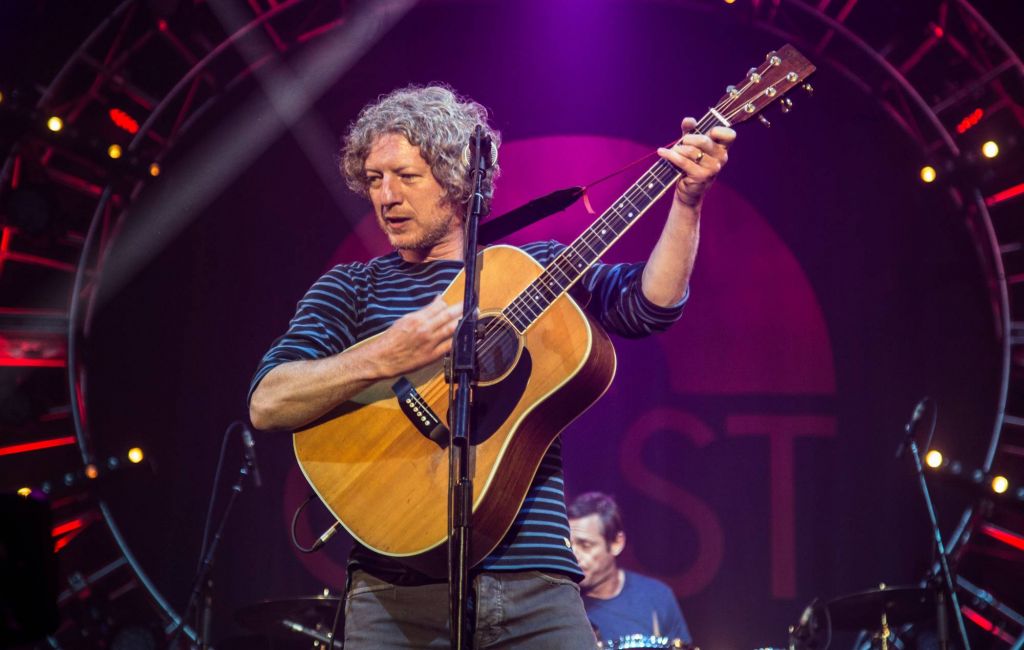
700 156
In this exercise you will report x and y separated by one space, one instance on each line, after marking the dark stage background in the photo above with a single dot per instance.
751 447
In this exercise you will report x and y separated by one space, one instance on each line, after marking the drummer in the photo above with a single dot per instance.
619 603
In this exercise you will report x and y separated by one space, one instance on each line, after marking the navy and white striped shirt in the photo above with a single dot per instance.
352 302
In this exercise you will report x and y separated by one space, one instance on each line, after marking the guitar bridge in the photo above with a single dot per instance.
419 412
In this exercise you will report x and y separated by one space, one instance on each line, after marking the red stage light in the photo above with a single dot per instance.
68 526
124 120
64 541
985 624
969 121
35 446
1004 536
1005 195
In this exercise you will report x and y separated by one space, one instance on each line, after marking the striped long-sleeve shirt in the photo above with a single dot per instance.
352 302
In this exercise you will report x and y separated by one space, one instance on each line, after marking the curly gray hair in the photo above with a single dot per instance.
433 118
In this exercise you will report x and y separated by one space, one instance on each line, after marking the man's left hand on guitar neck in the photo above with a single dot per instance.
700 158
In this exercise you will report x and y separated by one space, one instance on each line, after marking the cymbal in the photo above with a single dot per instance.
286 618
863 610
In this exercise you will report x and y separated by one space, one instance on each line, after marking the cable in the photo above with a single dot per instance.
295 521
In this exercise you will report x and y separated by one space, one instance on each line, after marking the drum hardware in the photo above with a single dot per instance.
813 631
305 616
884 608
881 611
646 642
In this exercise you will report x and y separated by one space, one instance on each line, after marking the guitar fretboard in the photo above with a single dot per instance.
572 263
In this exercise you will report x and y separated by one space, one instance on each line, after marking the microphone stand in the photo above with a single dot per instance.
464 375
202 585
947 590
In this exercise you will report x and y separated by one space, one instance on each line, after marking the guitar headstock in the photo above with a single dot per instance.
780 72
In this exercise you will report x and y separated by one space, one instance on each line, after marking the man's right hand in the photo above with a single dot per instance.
417 339
297 392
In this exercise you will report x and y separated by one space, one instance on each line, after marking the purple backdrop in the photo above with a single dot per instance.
750 446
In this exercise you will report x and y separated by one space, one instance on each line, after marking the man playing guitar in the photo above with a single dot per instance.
404 153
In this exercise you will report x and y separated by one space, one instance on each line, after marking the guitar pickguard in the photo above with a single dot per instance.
494 403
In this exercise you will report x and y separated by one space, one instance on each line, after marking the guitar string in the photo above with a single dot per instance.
436 388
546 279
503 345
561 261
519 308
590 238
558 263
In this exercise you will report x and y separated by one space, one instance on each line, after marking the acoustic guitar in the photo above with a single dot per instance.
380 461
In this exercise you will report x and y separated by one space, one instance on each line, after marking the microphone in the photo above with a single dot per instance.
329 533
911 427
490 153
249 445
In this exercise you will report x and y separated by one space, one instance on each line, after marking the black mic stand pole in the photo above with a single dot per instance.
464 374
202 585
948 589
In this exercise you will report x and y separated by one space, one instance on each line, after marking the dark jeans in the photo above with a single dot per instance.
528 609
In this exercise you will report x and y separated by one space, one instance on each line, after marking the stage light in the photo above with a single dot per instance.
114 151
990 149
1000 484
91 471
25 491
55 124
154 169
123 120
933 458
969 121
135 455
928 174
1 97
729 2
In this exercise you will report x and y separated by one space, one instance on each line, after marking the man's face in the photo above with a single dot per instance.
406 197
597 556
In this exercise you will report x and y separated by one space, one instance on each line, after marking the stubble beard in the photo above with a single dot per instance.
426 239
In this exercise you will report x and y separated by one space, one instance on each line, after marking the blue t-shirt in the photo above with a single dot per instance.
634 610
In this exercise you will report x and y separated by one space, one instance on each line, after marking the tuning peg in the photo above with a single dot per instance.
764 120
808 87
786 105
754 75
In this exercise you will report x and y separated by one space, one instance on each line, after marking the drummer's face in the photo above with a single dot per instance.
596 555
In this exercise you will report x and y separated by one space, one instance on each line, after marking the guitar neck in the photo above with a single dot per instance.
567 268
763 85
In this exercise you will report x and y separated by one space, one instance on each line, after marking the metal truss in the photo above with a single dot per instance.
947 78
139 82
939 70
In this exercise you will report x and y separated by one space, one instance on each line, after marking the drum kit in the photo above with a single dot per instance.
876 613
306 622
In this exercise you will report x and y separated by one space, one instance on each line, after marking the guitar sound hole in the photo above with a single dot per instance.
496 348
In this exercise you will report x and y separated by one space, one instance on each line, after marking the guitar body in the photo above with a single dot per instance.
387 482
